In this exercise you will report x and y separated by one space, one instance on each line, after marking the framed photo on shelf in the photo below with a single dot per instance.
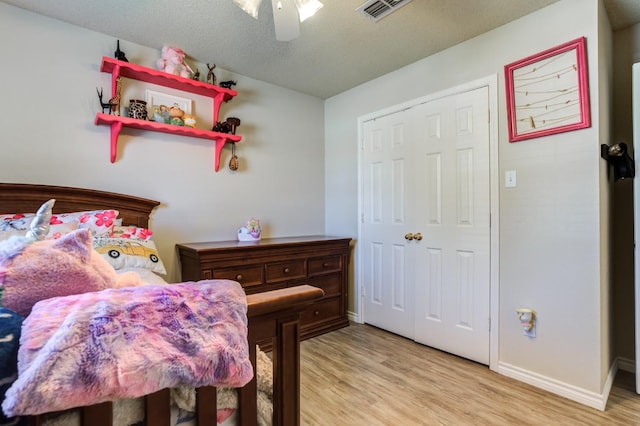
548 93
154 98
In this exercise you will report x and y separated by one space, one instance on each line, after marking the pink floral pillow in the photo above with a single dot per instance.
18 224
132 232
15 221
59 230
100 222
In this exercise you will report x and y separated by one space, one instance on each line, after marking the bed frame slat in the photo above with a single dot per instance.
206 406
158 408
98 414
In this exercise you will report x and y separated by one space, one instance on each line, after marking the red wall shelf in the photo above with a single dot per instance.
125 69
118 122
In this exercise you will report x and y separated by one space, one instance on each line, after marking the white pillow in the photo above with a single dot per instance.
129 253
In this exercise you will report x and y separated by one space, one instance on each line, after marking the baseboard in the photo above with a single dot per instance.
353 317
626 364
574 393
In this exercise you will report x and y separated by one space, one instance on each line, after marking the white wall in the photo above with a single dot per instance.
48 81
549 235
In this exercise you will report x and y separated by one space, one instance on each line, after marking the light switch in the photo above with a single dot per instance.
510 179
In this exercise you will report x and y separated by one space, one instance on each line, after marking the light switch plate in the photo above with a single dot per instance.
510 179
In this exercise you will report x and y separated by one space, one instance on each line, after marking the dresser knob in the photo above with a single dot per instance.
238 277
286 270
316 313
325 265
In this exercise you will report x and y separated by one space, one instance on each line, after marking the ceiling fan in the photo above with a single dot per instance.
287 14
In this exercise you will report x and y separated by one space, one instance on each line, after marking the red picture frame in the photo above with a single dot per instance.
548 93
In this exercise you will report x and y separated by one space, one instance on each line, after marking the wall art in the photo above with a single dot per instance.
548 93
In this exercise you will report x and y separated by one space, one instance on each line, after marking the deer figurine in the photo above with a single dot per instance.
211 77
104 105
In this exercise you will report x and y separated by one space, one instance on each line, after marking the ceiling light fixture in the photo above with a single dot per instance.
287 14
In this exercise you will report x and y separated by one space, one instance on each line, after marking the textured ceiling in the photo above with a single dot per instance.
337 49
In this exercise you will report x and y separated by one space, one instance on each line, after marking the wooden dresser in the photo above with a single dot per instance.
274 263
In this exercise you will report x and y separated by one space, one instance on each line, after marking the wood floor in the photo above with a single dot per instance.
361 375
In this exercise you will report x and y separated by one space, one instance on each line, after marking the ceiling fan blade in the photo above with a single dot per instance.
285 19
249 6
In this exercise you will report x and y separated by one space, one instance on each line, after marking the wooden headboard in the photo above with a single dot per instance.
24 198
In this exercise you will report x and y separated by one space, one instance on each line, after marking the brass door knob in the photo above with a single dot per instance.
417 236
408 236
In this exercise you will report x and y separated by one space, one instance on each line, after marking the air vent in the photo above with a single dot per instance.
378 9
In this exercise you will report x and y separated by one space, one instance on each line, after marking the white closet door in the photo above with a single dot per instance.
387 204
425 171
452 270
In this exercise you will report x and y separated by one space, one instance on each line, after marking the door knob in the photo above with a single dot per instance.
417 236
408 236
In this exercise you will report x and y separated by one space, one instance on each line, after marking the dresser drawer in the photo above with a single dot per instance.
327 309
331 284
247 276
324 265
283 271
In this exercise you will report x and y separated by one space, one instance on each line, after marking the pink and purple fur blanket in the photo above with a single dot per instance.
127 342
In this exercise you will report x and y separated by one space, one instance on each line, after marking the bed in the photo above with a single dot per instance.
272 317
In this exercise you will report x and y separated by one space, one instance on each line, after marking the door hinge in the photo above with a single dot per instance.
362 218
489 323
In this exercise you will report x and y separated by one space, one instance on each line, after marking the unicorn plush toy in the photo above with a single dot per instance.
33 268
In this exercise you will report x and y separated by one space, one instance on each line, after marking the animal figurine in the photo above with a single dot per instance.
119 54
105 105
222 127
172 62
177 115
196 75
227 84
227 126
211 77
189 121
115 101
161 114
